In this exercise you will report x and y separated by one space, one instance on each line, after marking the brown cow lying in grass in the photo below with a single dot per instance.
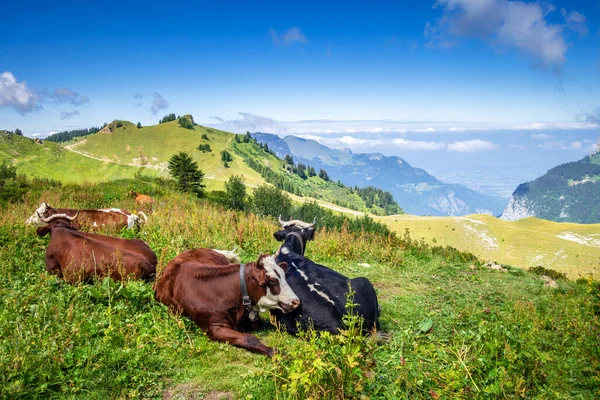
79 256
142 199
204 286
92 219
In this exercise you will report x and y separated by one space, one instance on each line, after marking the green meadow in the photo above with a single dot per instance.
451 328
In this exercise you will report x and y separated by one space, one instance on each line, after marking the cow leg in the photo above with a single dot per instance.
244 340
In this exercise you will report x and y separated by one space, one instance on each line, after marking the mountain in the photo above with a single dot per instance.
413 188
569 192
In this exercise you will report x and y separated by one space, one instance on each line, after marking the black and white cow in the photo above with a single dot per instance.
321 290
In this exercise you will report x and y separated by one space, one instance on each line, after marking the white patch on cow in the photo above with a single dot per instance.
286 295
231 256
285 250
317 291
312 287
132 220
35 219
95 224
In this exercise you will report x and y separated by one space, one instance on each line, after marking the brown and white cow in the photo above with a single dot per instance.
106 217
204 286
79 256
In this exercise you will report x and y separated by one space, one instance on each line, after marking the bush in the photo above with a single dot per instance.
185 122
185 171
269 200
235 192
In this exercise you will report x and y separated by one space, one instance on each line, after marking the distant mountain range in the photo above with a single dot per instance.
415 190
569 192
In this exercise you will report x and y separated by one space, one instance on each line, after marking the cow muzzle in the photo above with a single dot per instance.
289 307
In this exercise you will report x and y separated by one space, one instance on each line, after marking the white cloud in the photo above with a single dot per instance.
17 95
469 146
158 103
564 145
417 144
425 130
516 24
252 123
539 136
65 96
290 36
68 114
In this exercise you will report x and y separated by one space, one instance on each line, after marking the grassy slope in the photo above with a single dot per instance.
500 334
50 160
160 142
524 243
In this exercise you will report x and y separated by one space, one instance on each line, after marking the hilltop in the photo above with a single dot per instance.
418 192
569 192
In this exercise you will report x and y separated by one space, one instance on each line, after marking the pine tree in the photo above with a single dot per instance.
187 174
235 192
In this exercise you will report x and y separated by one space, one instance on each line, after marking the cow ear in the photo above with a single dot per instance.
43 230
259 263
283 266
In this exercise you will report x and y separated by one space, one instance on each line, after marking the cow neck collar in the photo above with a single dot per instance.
246 302
245 298
299 237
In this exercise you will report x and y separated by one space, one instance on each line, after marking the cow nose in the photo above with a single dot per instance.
295 303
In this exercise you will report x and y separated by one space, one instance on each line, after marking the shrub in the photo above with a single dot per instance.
269 200
186 123
235 192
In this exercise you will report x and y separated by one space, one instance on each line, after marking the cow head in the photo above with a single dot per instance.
35 219
56 221
132 193
299 229
273 289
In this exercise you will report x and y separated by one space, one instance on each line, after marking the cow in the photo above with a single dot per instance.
142 199
224 299
106 217
322 291
80 256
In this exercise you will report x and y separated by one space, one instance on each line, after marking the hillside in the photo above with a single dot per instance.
570 248
453 329
418 192
51 160
569 192
121 150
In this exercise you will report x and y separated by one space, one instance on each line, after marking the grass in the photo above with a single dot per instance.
525 243
494 335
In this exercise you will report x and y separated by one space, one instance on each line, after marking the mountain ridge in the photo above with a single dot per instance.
417 191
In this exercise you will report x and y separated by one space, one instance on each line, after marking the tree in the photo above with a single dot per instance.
323 175
235 192
18 132
269 200
311 171
288 159
205 136
236 138
186 123
205 148
226 157
168 118
247 137
139 125
185 171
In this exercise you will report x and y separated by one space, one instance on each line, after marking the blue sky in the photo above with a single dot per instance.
363 70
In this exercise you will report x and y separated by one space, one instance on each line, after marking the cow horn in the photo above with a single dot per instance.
57 216
281 222
314 222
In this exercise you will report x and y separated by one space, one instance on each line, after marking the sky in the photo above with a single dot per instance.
426 80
